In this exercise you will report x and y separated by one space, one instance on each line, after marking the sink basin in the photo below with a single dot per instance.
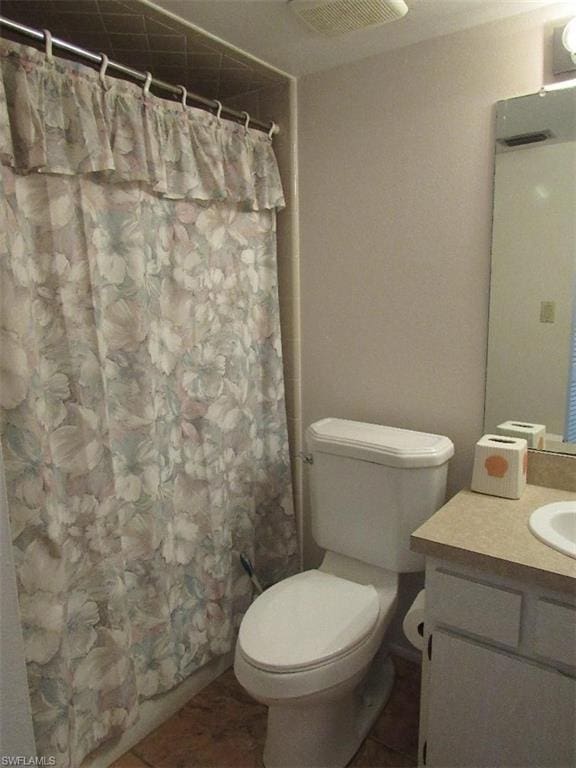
555 525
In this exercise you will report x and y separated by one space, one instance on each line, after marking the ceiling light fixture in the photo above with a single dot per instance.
569 38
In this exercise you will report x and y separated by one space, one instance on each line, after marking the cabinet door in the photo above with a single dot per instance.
487 708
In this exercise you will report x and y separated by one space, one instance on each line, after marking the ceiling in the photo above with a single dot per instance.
142 37
269 30
146 35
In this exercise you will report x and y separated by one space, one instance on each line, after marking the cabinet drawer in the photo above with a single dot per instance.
556 632
475 607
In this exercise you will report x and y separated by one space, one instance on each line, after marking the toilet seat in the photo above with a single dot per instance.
307 621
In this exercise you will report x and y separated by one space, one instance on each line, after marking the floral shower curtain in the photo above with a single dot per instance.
141 389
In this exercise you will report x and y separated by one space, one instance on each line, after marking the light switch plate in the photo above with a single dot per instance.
547 311
561 59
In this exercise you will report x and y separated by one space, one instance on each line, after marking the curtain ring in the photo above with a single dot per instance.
103 68
184 95
246 121
219 112
48 39
273 130
147 83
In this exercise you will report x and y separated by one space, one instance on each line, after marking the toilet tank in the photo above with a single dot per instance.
372 486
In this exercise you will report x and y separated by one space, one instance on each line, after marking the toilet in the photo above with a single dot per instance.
311 647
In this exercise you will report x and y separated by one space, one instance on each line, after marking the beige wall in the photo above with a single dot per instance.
396 168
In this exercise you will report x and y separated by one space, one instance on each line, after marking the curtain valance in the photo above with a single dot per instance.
57 117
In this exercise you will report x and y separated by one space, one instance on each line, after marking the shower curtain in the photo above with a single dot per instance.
141 389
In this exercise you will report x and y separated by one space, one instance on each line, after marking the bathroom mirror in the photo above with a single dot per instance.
531 375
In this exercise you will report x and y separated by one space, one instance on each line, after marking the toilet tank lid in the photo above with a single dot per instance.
379 444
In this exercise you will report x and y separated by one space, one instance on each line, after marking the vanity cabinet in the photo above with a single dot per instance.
499 672
489 708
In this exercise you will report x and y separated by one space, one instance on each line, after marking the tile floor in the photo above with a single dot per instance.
223 727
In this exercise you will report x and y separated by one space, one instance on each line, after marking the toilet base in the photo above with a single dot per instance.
328 732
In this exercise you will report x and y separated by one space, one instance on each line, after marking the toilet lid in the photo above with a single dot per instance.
307 620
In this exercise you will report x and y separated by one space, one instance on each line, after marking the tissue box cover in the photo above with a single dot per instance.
500 466
534 434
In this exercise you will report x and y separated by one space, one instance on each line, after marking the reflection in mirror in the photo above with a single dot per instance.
531 376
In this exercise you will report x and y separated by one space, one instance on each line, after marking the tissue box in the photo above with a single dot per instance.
500 466
534 434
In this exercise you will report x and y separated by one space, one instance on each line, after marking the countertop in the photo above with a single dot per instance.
491 533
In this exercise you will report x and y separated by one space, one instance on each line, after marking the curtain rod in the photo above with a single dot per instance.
96 58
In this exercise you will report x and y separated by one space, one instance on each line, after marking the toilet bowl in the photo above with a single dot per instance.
312 647
304 650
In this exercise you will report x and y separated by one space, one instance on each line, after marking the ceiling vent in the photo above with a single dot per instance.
337 17
526 138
